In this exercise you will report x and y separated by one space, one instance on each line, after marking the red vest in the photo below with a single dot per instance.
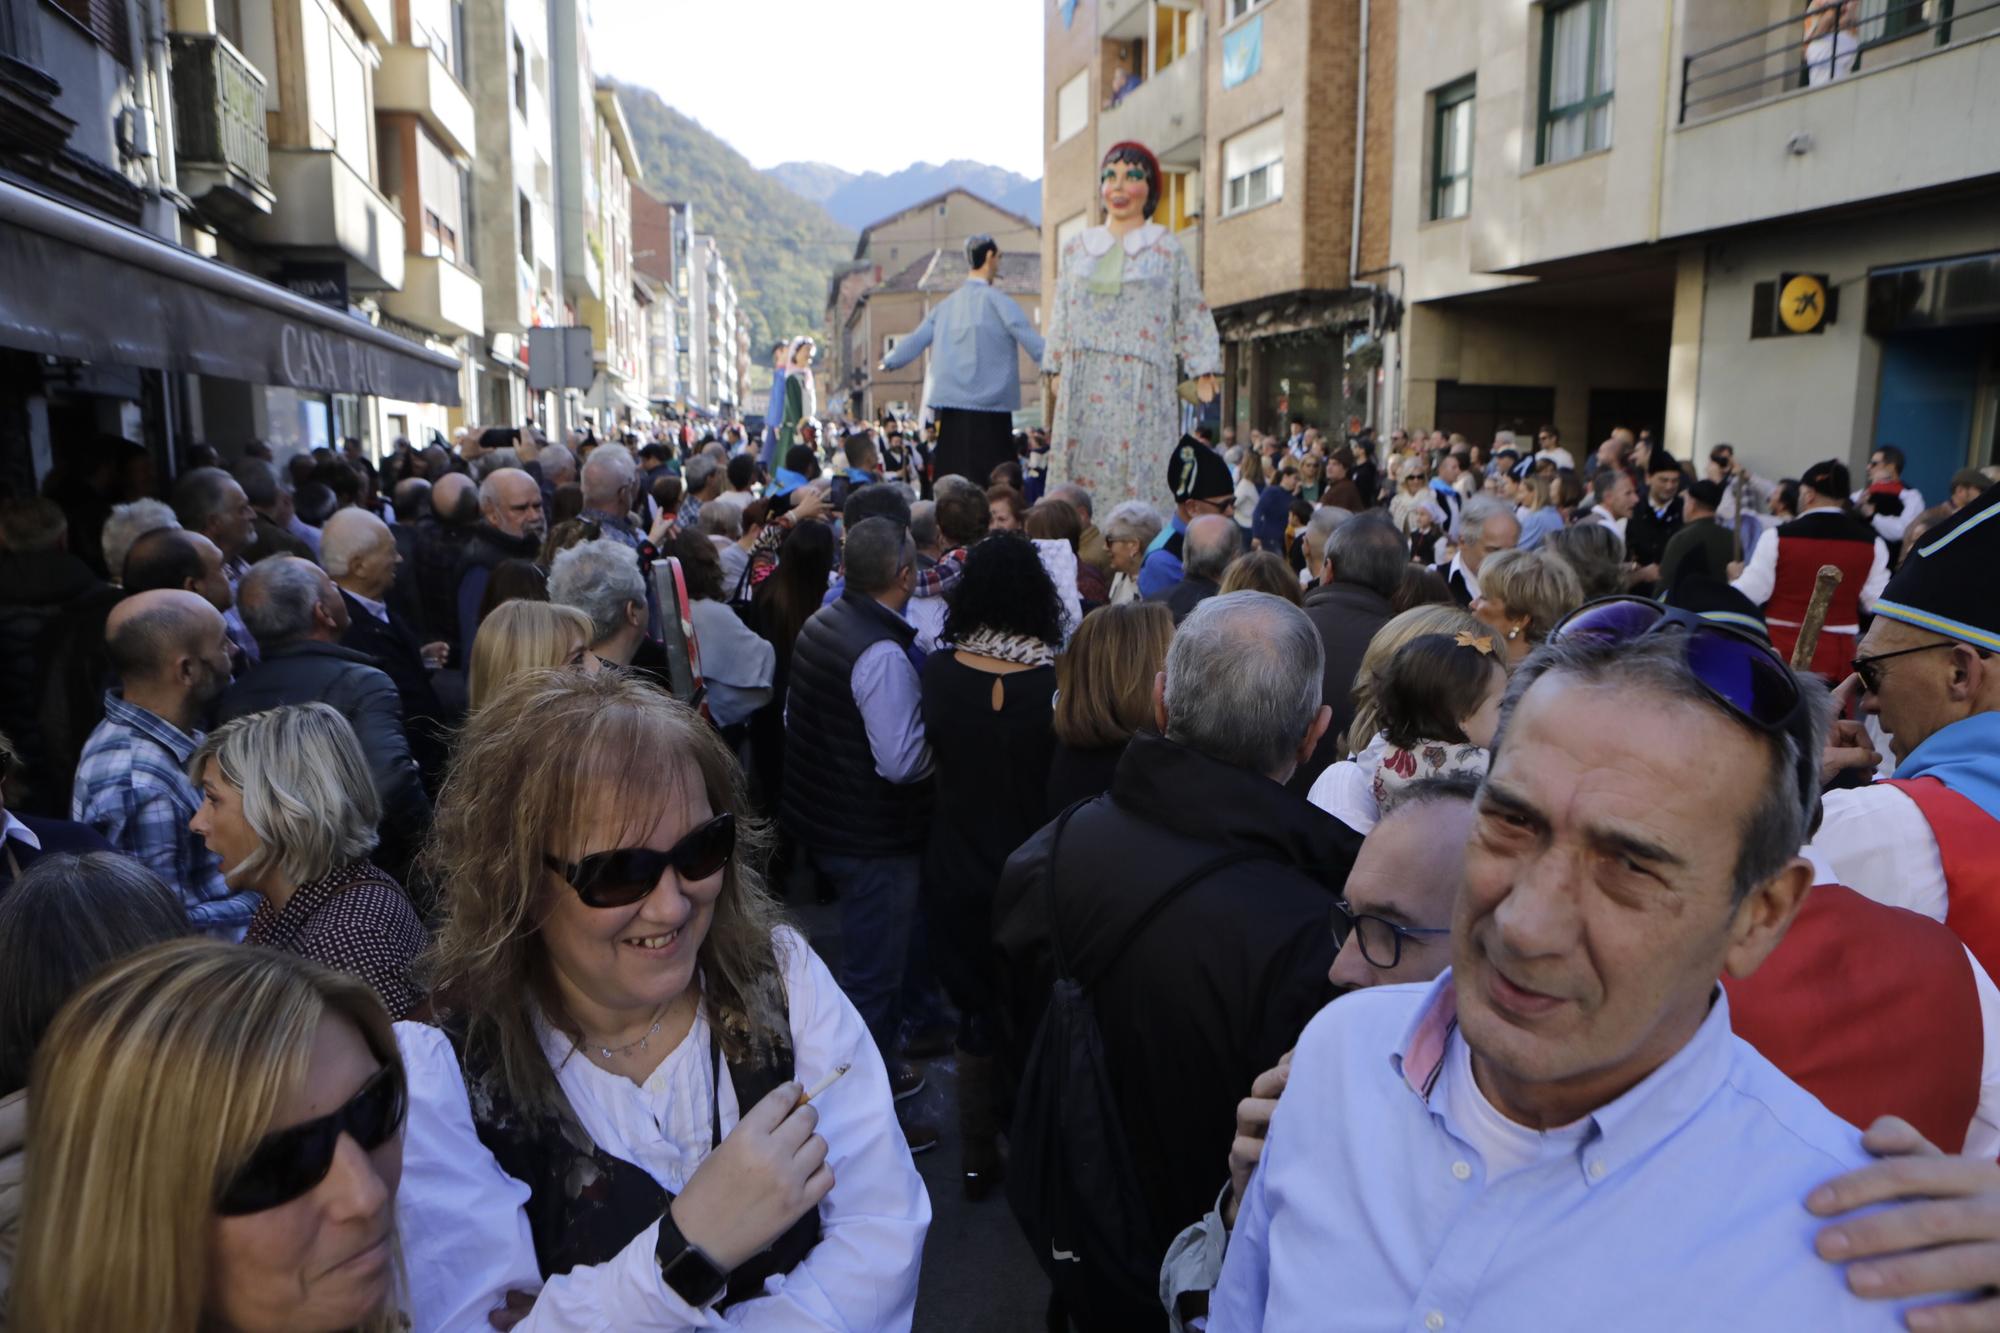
1873 1010
1968 842
1822 537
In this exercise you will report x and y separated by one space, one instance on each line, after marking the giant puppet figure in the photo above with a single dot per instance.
1127 308
801 400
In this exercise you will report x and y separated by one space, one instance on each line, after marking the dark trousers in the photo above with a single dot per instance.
878 913
971 444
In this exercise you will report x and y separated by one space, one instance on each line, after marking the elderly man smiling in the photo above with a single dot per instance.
1561 1131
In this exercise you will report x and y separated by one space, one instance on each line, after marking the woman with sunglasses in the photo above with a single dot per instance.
215 1143
635 1031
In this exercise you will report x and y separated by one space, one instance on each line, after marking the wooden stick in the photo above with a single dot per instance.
1822 597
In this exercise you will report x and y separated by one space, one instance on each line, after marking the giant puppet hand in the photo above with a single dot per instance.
1939 1236
1206 388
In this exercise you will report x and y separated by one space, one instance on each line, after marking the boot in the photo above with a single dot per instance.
978 1128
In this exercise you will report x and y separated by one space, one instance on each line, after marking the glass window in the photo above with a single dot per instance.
1238 8
520 77
1578 55
1073 106
1253 167
1451 150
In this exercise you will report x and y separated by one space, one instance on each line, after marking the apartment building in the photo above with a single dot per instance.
617 341
1666 215
1254 109
718 364
659 261
899 250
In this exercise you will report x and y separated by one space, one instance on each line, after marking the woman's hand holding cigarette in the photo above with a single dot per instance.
767 1173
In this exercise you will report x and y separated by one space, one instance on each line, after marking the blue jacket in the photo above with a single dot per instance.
973 364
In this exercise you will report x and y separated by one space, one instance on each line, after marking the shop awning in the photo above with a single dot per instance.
75 285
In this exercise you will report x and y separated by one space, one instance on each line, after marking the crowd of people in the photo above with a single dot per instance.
1379 890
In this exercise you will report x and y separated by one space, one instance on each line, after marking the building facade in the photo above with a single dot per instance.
892 309
1668 216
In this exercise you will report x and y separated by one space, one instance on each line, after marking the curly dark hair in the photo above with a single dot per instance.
1004 588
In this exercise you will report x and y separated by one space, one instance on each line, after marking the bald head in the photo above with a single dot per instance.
359 552
454 499
1212 542
169 640
511 502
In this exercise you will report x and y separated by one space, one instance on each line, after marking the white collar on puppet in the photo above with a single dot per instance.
1097 240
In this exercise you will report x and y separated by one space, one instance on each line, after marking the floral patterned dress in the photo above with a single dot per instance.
1117 416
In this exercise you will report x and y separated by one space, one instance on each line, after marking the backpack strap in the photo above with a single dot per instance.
1064 972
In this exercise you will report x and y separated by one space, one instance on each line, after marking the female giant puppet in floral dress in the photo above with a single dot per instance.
1127 307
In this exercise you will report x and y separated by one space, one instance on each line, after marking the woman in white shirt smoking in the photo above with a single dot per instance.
636 1030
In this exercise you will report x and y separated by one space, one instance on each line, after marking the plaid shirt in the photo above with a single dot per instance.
132 787
942 577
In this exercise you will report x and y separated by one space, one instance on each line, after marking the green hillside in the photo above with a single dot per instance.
780 247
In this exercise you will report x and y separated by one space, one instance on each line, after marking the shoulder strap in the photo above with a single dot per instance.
1132 932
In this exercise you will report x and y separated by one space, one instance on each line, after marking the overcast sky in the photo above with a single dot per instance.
867 85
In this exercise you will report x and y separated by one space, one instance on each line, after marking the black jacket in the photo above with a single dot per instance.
1347 616
52 665
833 799
486 548
1185 596
314 672
394 648
1217 987
438 548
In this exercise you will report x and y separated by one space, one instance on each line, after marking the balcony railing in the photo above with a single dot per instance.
1778 59
219 109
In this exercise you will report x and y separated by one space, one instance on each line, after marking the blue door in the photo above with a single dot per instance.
1928 402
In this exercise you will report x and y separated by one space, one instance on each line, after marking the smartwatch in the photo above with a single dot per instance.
688 1273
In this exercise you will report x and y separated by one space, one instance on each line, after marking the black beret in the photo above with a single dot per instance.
1946 586
1197 472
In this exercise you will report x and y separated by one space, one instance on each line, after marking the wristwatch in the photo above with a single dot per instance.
688 1273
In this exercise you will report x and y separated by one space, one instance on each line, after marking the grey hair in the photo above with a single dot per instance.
599 578
1776 826
1460 786
200 495
1243 681
722 520
343 538
1319 528
877 551
1133 520
307 794
558 458
1211 546
609 470
701 469
923 523
1479 510
490 483
259 481
1369 552
127 524
1078 497
490 462
277 597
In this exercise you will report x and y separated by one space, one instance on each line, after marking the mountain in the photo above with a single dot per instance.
780 246
855 201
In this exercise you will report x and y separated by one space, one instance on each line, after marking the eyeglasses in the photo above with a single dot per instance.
1220 506
1381 939
1738 669
622 877
292 1162
1871 673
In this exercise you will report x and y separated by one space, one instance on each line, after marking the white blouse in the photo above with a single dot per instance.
465 1232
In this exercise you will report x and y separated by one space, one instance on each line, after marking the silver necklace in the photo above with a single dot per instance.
613 1052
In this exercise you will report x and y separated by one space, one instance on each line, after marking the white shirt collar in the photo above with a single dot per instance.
1097 240
1458 568
16 831
379 610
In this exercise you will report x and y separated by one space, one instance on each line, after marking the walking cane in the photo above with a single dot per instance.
1815 619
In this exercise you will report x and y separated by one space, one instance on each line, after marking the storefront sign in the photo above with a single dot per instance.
1802 302
324 283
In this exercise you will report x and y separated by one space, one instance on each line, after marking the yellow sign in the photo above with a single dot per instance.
1802 303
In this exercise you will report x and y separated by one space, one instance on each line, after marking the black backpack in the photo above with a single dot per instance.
1070 1177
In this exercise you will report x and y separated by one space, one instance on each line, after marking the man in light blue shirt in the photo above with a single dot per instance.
1561 1131
975 383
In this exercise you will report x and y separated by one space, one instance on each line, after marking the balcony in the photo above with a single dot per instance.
327 210
1763 135
414 80
224 154
1165 111
375 18
439 296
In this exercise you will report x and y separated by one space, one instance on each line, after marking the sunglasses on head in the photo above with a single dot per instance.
292 1162
623 876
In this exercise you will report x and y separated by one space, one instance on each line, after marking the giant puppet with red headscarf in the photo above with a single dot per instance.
1129 319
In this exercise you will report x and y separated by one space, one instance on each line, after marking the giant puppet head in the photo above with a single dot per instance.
1128 181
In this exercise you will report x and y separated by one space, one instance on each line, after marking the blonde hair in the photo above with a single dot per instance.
153 1088
520 636
625 747
1536 584
1539 489
307 793
1265 572
1388 641
1104 679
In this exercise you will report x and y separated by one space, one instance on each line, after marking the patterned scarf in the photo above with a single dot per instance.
1392 768
1021 649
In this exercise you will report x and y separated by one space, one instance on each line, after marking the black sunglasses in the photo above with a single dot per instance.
1871 673
1380 939
623 876
292 1162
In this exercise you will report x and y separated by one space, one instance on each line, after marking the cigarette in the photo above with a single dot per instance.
824 1083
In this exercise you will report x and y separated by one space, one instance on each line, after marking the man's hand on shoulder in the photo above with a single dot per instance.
1939 1236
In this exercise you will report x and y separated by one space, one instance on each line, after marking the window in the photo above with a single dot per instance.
1577 60
1886 20
1238 8
1451 150
1073 106
520 77
527 210
1176 32
1180 203
438 184
889 341
1253 167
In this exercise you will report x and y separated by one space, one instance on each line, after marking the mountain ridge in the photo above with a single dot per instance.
855 200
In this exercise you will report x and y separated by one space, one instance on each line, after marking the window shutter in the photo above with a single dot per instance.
104 20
